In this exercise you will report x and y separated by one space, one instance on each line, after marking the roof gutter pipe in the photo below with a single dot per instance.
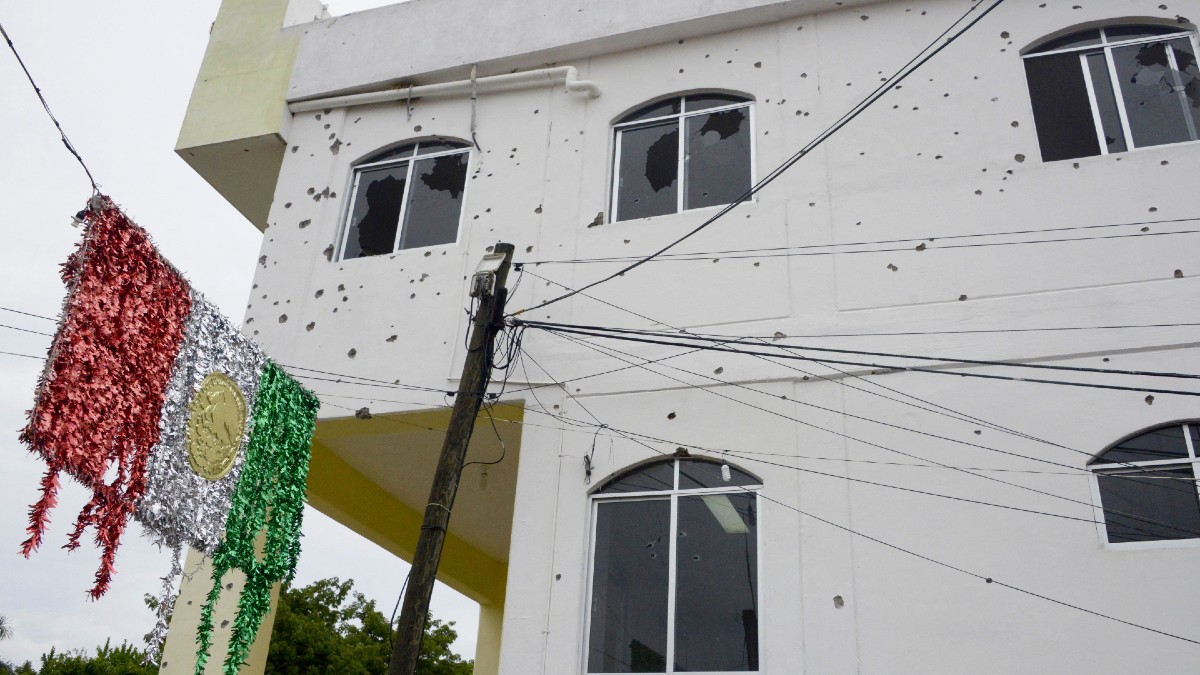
564 75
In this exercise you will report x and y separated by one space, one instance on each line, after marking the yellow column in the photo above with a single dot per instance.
487 641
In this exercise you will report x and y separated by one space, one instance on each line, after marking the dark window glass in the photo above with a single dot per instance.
648 172
706 101
695 474
1155 93
1164 495
376 211
716 611
399 151
1195 429
1118 33
1062 110
718 159
629 587
1087 37
429 147
1106 102
652 477
660 109
435 201
1163 443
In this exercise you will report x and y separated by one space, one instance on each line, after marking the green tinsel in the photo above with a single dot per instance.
269 496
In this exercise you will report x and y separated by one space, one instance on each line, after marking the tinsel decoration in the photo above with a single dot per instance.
269 498
97 404
179 506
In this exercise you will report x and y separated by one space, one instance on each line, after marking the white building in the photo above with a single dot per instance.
1037 174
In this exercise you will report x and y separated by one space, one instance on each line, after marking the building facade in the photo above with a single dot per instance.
1023 197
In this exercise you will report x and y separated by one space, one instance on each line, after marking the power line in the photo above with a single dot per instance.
735 340
36 316
883 367
987 579
805 251
38 90
898 77
26 330
28 356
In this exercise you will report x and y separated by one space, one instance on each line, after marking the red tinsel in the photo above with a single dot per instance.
97 407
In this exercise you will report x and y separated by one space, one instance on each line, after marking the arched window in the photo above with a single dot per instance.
1113 89
1147 485
674 583
409 196
685 152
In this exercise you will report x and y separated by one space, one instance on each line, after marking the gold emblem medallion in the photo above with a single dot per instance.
215 426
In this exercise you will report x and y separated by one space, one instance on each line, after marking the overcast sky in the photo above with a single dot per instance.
118 76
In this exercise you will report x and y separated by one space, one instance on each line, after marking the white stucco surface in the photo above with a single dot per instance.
951 153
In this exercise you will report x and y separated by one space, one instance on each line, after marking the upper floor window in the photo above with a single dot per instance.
406 197
674 583
1147 485
1113 89
685 152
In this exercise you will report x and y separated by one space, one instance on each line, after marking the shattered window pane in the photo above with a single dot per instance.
376 211
1144 92
435 201
647 176
718 158
423 192
1087 37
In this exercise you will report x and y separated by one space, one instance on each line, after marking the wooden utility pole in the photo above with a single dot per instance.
488 286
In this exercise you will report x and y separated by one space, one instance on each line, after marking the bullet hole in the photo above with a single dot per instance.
892 267
424 276
670 416
225 623
557 577
287 205
1106 359
1075 165
838 603
979 192
392 338
311 325
417 128
337 145
352 353
345 298
921 247
962 297
718 371
529 249
312 190
1150 399
538 209
1178 274
283 318
411 296
229 586
428 253
1019 157
319 293
262 260
978 432
757 264
758 64
305 223
1004 35
1163 163
363 413
681 70
251 319
1153 209
1015 124
937 156
341 287
779 336
295 148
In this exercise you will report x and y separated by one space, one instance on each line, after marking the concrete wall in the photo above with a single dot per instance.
951 153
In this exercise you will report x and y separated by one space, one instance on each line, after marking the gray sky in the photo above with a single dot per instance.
118 76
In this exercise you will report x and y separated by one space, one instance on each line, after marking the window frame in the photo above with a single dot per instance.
596 498
1106 47
357 169
681 165
1095 470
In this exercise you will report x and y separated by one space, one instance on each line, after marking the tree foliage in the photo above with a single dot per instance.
327 627
123 660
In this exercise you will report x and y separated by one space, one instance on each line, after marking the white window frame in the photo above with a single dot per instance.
356 172
673 495
1106 47
681 167
1095 470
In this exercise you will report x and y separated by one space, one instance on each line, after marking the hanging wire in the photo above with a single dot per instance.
38 90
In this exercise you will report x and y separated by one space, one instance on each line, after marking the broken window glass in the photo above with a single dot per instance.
718 158
1114 89
655 176
425 194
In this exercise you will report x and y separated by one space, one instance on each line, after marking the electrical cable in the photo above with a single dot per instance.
28 356
705 255
36 316
26 330
38 90
987 579
888 84
734 340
